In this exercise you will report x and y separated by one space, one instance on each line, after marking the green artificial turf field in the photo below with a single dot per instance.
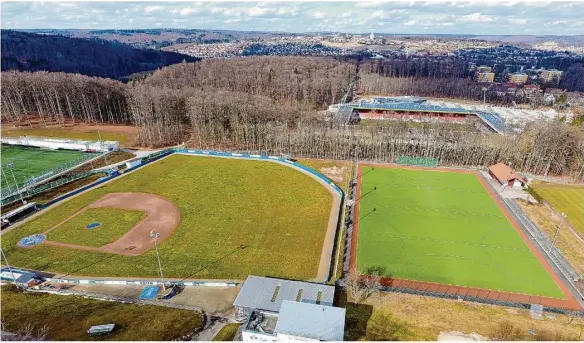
564 198
443 227
238 217
114 223
32 162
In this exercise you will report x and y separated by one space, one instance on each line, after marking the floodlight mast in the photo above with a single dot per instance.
155 235
10 166
558 229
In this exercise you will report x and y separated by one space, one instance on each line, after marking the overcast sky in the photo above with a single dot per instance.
484 17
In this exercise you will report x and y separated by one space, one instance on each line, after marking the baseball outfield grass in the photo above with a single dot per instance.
113 224
564 198
238 217
443 227
31 162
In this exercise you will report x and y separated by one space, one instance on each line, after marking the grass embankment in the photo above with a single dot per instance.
572 249
227 333
123 134
114 223
443 227
238 217
564 198
69 317
395 316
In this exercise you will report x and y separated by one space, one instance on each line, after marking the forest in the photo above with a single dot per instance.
93 57
273 105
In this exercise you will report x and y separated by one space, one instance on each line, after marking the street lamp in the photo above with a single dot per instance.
155 235
10 166
558 229
485 95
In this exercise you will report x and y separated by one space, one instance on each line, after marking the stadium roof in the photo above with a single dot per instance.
267 294
324 323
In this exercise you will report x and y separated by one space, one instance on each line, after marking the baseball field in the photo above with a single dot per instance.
564 198
30 162
442 227
218 218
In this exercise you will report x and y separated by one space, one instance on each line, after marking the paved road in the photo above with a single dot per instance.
212 326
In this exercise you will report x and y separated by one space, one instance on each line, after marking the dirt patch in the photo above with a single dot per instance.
459 336
161 215
334 173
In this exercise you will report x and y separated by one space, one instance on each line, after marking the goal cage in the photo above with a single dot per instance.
417 161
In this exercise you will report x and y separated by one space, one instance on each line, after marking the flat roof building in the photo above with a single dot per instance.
301 321
518 78
283 310
485 77
552 75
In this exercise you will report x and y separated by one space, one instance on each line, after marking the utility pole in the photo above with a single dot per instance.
10 166
155 235
558 229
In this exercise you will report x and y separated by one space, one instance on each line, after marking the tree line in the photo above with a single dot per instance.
274 105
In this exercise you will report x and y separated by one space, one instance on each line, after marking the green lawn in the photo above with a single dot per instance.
227 333
69 317
563 198
443 227
238 217
33 162
114 222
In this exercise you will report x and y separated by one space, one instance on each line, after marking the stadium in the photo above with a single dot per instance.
444 232
215 215
496 119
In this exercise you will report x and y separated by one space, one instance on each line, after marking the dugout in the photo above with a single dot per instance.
18 277
17 214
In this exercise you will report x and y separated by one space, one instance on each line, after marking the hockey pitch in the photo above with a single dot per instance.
444 227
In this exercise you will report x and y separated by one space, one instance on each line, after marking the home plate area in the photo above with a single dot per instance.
118 223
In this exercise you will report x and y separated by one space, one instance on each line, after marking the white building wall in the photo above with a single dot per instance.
287 338
248 336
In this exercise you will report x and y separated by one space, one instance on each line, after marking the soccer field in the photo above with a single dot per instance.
31 162
443 227
564 198
237 217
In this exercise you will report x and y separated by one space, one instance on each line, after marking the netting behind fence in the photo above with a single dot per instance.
417 161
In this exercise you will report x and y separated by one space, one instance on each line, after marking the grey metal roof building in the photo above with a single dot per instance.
267 294
324 323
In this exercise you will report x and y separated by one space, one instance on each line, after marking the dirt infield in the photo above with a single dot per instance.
161 215
571 303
